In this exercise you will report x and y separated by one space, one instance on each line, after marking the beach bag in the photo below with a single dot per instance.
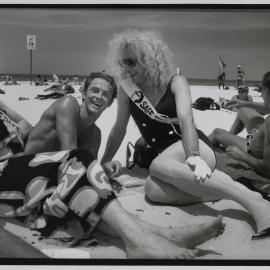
205 103
143 154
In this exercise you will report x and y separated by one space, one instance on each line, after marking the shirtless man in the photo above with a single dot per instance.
68 125
253 151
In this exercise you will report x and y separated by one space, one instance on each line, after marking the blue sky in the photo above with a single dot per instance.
75 41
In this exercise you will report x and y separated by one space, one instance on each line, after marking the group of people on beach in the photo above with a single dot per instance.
55 168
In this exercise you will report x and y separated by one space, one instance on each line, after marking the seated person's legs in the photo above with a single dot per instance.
170 167
250 118
237 126
222 138
171 158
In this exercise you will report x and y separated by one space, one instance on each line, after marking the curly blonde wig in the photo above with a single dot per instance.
151 52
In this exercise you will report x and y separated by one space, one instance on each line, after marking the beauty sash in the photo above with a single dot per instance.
142 102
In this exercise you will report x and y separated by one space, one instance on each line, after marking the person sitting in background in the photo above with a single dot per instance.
39 81
242 95
3 78
254 150
10 81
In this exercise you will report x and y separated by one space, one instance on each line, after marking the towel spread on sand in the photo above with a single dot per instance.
248 177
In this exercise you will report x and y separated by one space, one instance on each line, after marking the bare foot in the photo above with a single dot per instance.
153 246
191 235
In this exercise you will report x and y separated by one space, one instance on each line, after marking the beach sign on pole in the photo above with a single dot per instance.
31 42
31 45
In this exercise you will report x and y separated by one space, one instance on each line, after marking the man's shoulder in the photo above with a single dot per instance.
67 102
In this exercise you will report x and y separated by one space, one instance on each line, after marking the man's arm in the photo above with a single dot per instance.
67 118
260 107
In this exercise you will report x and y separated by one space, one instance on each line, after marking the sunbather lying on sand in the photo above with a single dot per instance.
254 150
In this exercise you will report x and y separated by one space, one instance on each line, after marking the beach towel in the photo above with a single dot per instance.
245 176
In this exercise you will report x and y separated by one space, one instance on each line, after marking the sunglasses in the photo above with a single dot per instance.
128 62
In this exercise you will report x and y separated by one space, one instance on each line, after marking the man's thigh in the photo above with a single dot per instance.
226 138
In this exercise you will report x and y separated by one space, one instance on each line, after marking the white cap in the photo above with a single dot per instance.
238 66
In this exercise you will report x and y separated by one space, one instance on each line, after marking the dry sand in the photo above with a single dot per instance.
234 244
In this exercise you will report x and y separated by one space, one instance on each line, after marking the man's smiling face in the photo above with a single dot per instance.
98 95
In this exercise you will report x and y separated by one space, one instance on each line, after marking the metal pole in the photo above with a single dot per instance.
30 67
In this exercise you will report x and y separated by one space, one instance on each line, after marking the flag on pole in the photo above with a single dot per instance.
221 64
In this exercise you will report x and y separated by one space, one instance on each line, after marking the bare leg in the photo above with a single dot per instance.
140 242
225 138
250 118
237 126
169 167
188 236
162 192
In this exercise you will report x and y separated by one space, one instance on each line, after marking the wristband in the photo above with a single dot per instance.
192 154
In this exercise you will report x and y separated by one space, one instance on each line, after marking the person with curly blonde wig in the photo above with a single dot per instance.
160 102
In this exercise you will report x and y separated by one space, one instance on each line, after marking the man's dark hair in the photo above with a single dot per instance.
266 80
102 75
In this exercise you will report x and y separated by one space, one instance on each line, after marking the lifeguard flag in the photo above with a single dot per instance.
221 64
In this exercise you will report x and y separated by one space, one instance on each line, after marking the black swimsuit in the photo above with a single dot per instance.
159 135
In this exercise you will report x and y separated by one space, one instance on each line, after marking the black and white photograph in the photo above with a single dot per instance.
135 134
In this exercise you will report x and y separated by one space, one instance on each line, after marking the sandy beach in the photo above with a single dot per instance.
234 244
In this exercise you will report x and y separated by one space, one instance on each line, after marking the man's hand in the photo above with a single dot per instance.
236 103
235 153
112 168
201 169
